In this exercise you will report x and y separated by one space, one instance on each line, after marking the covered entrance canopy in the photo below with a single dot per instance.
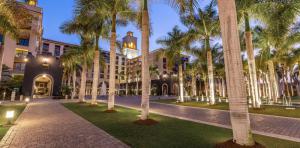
42 86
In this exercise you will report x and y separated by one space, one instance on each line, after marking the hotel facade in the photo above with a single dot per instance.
38 60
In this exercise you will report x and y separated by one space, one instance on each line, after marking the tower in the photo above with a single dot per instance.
31 2
129 46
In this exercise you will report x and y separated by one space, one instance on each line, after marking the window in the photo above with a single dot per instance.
66 48
19 66
23 42
165 66
57 50
21 53
46 47
1 39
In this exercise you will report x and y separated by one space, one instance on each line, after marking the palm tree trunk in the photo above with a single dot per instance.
74 85
298 88
69 80
145 64
211 77
239 115
137 86
95 76
268 88
83 82
251 63
112 71
291 83
220 87
181 95
205 87
194 85
126 87
273 82
1 59
223 88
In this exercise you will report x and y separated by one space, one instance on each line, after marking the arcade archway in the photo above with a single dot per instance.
42 86
165 89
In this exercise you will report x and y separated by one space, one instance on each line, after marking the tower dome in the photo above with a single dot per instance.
32 2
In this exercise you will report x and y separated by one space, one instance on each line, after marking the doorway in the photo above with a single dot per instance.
42 86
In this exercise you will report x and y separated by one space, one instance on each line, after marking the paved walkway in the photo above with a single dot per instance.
47 124
274 126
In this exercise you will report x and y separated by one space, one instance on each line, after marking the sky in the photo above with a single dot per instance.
56 12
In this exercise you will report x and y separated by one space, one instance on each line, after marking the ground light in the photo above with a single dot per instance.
27 100
9 116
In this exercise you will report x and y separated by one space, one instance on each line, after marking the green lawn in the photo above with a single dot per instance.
221 106
169 132
3 108
267 110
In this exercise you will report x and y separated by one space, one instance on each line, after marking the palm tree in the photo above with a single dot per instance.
174 47
154 73
192 70
13 16
234 74
91 14
87 43
71 63
277 35
203 26
181 5
244 7
201 62
137 80
119 12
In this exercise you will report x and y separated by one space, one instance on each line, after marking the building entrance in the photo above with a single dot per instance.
42 86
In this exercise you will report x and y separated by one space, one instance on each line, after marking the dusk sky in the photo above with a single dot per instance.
163 19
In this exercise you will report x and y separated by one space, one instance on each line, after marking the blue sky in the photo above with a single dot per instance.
163 19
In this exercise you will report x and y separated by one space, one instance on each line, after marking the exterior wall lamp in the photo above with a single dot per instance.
45 62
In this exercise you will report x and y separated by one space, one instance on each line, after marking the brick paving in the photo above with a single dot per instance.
47 124
274 126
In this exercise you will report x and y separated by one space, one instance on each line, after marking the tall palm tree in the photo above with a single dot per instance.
91 14
200 59
13 16
75 26
119 12
181 5
174 47
239 114
244 8
277 35
203 26
71 63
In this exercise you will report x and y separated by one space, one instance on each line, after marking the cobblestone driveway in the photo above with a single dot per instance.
274 126
47 124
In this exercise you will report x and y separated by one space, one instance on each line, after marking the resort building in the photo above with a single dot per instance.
29 41
38 60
